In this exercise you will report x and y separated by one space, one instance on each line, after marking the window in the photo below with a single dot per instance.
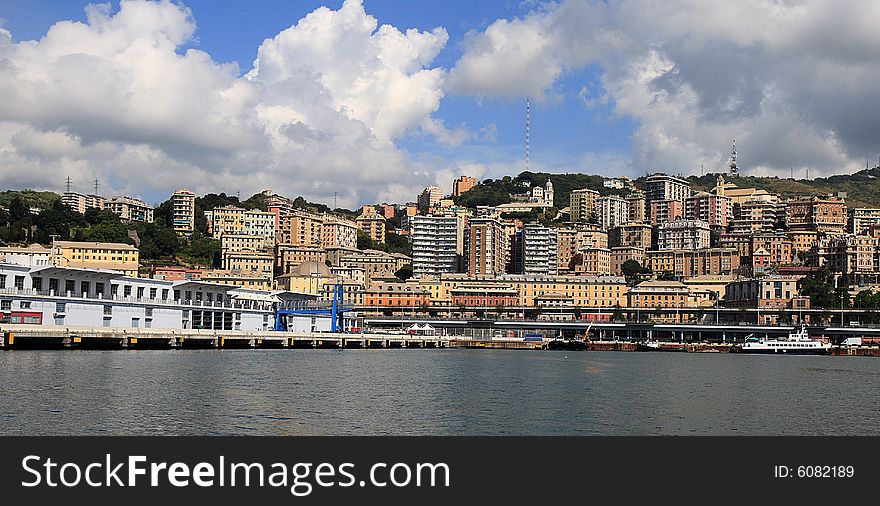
36 283
106 322
165 294
99 289
114 290
69 286
140 292
19 282
84 287
24 304
108 310
135 323
59 320
153 292
126 291
60 307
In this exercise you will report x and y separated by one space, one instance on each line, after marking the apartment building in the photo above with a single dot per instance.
636 208
683 234
622 254
80 202
822 214
299 228
183 211
289 256
130 209
692 263
662 211
539 250
434 244
119 257
463 184
863 218
488 247
632 234
372 223
429 197
610 211
583 204
715 210
338 232
663 187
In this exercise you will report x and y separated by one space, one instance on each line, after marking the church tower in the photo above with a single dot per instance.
548 193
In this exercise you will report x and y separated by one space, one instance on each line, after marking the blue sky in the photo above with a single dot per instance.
563 131
617 88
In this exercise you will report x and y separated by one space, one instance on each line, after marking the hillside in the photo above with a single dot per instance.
862 188
492 192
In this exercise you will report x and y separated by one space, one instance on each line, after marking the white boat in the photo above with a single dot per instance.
797 343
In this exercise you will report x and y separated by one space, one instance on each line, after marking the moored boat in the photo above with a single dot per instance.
797 343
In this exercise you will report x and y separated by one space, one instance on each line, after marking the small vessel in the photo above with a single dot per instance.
654 345
797 343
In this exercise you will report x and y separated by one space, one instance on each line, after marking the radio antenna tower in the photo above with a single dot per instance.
528 121
68 184
96 186
734 170
334 201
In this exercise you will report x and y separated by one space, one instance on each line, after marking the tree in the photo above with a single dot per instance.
666 276
364 241
631 268
404 272
18 210
398 244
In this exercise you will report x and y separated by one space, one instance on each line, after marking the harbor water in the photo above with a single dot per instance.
434 392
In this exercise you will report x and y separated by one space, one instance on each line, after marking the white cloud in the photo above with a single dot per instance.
115 98
791 81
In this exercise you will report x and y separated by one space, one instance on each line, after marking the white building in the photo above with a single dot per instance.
63 296
610 211
683 235
663 187
539 250
434 244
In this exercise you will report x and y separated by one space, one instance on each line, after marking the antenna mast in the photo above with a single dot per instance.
96 186
528 121
734 170
68 184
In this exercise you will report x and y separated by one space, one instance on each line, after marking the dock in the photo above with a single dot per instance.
31 337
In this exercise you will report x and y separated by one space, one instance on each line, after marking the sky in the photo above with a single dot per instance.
375 99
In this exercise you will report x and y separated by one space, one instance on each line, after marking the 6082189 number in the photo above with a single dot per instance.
825 471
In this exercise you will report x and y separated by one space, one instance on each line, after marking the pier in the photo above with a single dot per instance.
599 337
31 337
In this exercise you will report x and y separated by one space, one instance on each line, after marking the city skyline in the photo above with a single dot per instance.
152 96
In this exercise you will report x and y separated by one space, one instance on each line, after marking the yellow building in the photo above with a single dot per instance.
300 229
583 291
667 294
338 232
250 261
372 223
309 277
243 279
595 261
97 255
582 204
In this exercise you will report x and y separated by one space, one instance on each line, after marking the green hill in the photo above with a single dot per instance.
862 188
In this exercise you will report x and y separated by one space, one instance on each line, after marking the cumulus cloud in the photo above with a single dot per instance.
118 98
791 81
